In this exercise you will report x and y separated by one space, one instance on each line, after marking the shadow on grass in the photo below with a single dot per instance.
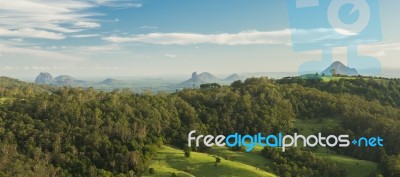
172 153
169 158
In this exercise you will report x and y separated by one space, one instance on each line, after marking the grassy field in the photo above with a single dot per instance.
335 78
354 167
171 160
253 158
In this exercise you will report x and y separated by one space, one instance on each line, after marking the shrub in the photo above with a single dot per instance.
151 170
187 153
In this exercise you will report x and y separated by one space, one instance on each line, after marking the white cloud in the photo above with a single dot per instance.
374 50
8 68
321 36
102 48
50 19
170 55
119 3
83 24
241 38
84 35
106 67
250 37
149 27
17 39
35 18
37 53
52 47
90 50
379 50
31 33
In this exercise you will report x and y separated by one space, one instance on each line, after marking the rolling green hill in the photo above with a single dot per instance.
169 160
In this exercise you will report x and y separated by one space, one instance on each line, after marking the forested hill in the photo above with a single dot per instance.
6 82
13 87
387 91
85 132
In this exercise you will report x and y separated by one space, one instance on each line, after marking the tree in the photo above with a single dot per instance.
217 160
151 170
333 72
187 151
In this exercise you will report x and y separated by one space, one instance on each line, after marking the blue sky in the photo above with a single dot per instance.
157 37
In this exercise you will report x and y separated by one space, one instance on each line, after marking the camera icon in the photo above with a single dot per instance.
326 24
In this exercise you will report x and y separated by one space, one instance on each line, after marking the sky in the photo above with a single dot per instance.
114 38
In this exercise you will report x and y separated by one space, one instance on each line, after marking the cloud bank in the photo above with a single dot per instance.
241 38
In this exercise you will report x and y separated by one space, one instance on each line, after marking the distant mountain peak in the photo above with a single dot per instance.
64 78
338 64
198 79
44 78
338 67
195 77
110 81
208 77
233 77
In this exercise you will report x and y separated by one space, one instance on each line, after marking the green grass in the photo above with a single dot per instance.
354 167
170 160
253 158
335 78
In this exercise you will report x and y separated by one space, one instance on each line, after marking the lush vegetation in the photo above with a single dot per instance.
352 166
50 131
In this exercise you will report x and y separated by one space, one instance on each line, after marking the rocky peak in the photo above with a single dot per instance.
340 68
44 78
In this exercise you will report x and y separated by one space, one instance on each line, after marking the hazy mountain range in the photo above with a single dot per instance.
197 79
165 84
62 80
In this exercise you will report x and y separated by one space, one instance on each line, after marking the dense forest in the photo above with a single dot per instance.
63 131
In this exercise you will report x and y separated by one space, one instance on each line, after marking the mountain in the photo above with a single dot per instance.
44 78
208 77
194 80
110 81
198 79
65 80
233 77
339 68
